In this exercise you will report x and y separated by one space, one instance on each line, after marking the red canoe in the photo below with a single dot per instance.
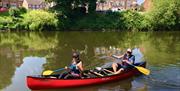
40 82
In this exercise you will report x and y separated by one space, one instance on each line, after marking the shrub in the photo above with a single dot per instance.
9 23
40 20
96 22
22 10
164 14
14 12
132 20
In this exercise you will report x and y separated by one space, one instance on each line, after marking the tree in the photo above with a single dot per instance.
92 6
134 21
164 14
14 12
40 20
67 6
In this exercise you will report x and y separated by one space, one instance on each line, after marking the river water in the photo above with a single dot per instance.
29 53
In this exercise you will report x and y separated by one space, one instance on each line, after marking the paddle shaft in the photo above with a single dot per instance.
61 69
58 69
48 72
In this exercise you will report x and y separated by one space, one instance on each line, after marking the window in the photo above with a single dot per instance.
29 6
37 7
33 7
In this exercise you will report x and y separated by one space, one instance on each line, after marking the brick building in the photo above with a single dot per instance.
11 3
28 4
34 4
115 5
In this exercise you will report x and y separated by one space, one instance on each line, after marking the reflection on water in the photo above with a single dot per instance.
30 66
30 53
124 85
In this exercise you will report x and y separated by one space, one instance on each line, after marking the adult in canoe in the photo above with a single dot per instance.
127 58
75 69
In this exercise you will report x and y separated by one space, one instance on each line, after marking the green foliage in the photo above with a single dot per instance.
96 22
67 6
92 5
71 14
2 14
9 23
127 20
40 20
22 10
33 20
164 14
134 21
14 12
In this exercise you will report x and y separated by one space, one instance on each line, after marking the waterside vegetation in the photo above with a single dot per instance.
163 15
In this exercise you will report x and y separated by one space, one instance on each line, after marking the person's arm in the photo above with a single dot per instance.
118 56
80 66
131 60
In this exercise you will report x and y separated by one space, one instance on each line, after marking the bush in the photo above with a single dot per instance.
164 14
126 20
96 22
22 10
40 20
14 12
9 23
134 21
5 22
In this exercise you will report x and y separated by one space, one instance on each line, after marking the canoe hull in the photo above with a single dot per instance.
36 83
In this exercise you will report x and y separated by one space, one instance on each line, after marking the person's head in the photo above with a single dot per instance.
129 51
75 56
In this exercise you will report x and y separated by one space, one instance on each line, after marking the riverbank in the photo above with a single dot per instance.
163 16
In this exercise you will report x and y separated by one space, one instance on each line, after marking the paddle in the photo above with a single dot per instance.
49 72
139 68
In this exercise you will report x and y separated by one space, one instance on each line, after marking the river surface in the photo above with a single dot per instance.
30 53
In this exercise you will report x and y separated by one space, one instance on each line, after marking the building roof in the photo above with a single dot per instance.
35 2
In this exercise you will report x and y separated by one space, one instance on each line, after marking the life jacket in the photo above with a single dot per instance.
126 57
74 68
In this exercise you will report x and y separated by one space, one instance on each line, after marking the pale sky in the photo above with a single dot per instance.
140 1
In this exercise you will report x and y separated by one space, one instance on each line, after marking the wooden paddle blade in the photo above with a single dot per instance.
47 72
143 70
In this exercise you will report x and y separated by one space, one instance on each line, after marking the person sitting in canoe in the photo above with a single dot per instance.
75 69
127 59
